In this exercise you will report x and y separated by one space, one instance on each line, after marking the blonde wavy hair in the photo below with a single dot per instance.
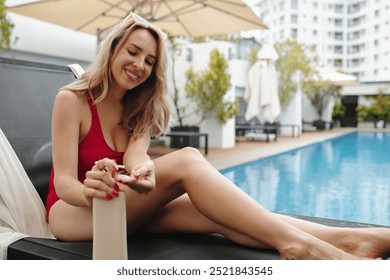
145 108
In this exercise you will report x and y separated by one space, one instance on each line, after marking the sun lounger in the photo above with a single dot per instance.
27 92
266 132
316 125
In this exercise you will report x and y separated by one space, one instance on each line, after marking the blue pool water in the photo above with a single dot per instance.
345 178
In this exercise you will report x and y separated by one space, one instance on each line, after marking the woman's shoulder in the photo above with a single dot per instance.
68 103
68 97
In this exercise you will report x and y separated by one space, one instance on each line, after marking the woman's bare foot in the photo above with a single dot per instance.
369 243
311 248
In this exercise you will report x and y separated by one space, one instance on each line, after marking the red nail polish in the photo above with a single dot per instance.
119 180
115 193
109 196
116 188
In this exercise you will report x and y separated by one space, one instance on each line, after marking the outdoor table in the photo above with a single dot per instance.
191 134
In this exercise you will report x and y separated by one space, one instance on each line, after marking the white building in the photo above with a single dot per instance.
352 35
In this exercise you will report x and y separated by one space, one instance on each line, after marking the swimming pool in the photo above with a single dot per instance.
345 178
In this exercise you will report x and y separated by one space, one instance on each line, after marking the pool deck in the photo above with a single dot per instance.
246 151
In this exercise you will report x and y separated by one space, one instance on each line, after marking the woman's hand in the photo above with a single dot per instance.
100 180
141 178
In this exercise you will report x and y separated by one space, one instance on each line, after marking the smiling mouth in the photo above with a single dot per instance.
131 75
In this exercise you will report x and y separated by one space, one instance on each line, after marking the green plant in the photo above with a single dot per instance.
6 27
378 110
319 94
208 88
293 58
338 110
252 54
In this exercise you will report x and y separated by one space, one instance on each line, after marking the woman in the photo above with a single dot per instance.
103 122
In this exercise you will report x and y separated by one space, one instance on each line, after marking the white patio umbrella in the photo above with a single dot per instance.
261 93
177 17
335 77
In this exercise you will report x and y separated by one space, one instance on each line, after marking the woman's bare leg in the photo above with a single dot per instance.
70 223
224 203
240 219
361 242
180 215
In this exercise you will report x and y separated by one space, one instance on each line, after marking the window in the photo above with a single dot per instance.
339 8
338 35
232 54
189 55
338 62
338 22
294 18
338 49
281 6
281 20
294 32
315 33
315 19
294 4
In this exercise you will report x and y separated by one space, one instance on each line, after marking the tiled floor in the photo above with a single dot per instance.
245 151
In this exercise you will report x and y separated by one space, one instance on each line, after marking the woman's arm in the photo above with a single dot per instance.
136 152
139 166
66 122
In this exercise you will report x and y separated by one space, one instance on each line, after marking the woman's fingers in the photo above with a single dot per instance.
140 184
100 180
108 165
92 192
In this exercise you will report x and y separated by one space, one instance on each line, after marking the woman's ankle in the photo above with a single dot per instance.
295 250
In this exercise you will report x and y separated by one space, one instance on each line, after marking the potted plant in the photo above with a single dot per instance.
207 89
293 58
207 92
377 111
320 94
338 112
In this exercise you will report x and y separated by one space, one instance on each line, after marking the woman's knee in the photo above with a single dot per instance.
191 154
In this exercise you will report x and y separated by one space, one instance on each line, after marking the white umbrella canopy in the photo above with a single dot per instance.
177 17
335 77
262 91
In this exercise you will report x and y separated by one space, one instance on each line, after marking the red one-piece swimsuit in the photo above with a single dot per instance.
92 148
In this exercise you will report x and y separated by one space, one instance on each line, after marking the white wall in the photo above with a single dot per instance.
45 38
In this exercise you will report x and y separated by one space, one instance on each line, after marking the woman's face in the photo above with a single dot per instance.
134 61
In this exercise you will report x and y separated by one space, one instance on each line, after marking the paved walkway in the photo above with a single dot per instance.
245 151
